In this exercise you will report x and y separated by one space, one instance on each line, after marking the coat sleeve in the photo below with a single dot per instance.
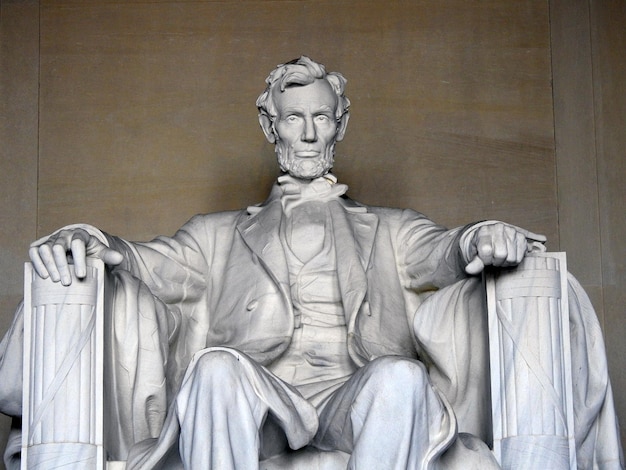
174 268
429 255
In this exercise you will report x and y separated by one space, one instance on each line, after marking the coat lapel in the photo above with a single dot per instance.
261 233
354 234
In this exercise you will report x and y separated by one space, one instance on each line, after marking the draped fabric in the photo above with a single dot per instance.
451 331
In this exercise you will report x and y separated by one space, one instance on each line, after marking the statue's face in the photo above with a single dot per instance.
306 129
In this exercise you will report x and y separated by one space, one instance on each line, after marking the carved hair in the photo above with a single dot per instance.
302 71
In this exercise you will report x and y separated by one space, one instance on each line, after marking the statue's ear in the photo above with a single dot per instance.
343 124
268 129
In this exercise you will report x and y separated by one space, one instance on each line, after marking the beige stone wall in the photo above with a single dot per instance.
589 73
19 70
133 116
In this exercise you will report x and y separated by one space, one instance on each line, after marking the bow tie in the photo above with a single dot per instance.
296 191
293 192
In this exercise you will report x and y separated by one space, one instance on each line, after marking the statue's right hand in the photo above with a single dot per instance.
50 256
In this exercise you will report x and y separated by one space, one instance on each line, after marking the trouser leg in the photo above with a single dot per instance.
222 407
387 416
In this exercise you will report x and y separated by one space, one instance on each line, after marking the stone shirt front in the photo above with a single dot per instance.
317 361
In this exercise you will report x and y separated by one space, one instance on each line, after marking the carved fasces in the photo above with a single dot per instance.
63 371
531 364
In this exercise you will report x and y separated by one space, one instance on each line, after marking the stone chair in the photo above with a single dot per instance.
64 361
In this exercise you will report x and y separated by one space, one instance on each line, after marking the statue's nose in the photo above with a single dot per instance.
309 133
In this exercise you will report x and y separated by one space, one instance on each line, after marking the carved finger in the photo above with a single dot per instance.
46 256
500 252
38 264
484 247
78 249
533 236
512 257
502 244
60 258
521 245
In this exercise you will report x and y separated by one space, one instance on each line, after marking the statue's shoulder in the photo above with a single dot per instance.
216 220
394 214
399 222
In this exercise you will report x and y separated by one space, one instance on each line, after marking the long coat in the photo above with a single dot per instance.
224 276
223 281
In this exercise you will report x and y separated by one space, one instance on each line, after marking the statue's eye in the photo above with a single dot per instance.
322 119
293 119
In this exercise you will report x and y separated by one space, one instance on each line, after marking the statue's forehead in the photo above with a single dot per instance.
318 95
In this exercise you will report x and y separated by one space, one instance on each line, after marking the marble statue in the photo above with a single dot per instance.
309 321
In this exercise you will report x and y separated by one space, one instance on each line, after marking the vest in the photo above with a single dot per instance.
317 361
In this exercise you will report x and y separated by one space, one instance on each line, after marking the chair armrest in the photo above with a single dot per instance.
530 360
63 371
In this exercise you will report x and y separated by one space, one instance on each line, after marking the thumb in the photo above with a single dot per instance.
111 257
475 266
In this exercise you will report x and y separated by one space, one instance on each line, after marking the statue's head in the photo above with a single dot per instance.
304 112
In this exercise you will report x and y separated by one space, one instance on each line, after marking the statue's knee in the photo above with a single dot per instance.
399 374
219 368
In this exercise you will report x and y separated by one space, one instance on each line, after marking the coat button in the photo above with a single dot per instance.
252 305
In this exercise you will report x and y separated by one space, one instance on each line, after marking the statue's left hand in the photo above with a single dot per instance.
499 244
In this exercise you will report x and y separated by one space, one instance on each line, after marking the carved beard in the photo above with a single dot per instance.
305 168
